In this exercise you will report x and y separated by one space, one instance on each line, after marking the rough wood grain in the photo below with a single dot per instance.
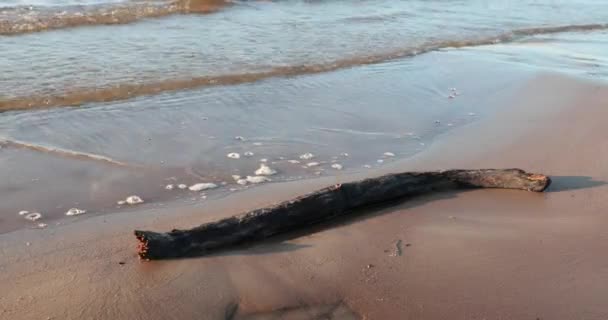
324 205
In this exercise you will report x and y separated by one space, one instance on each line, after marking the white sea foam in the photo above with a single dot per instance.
202 186
337 166
307 156
132 200
233 155
75 212
33 216
257 179
265 170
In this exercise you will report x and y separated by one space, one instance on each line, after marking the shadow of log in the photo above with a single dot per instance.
570 183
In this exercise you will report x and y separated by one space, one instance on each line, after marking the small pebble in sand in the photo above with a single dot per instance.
233 155
380 161
248 154
451 96
312 164
239 138
75 212
337 166
182 186
28 244
202 186
257 179
318 173
242 182
437 122
293 161
33 216
22 213
132 200
121 202
264 170
169 187
307 156
389 154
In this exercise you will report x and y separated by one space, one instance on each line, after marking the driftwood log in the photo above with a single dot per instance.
324 205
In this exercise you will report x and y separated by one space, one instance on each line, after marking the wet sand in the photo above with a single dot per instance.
483 254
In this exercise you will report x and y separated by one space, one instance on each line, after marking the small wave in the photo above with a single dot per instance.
129 90
20 20
62 152
358 132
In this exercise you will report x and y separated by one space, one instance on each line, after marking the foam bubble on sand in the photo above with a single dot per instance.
202 186
75 212
239 138
233 155
380 161
42 225
121 202
236 177
265 170
344 154
389 154
248 154
169 187
312 164
307 156
257 179
263 160
367 166
293 161
472 114
22 213
242 181
182 186
257 144
337 166
134 200
33 216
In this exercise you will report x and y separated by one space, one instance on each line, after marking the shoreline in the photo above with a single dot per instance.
472 255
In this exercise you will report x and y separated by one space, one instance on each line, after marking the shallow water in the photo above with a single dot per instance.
161 99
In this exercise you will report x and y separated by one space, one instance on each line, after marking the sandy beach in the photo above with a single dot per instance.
482 254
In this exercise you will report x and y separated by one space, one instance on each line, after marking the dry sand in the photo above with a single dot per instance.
484 254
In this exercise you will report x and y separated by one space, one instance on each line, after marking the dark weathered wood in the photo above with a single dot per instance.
323 205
